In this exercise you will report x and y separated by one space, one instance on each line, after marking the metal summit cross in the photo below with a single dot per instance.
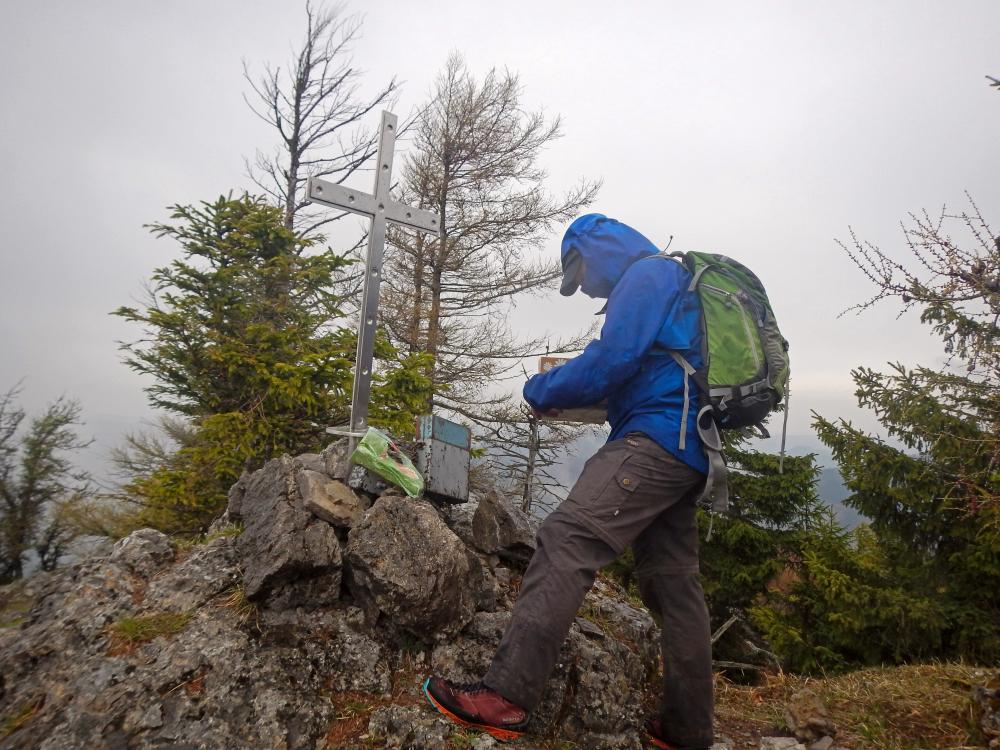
380 208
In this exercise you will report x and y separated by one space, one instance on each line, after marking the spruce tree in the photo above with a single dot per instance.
924 582
242 338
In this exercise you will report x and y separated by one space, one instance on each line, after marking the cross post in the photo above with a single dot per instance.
380 208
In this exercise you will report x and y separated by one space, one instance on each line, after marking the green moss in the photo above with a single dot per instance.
13 609
134 630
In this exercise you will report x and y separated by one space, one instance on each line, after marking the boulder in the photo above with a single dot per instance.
500 527
410 728
335 459
780 743
210 571
986 710
590 698
806 716
283 545
143 552
459 519
407 565
329 499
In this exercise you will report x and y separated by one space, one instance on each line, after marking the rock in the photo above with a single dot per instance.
410 728
483 585
282 544
143 551
724 743
806 716
335 459
589 629
234 508
986 709
824 743
328 499
311 462
459 519
208 572
780 743
409 566
629 624
498 526
591 698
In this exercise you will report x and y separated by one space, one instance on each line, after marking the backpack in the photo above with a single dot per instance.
746 366
745 369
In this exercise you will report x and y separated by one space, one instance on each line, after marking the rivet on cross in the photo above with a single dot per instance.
380 208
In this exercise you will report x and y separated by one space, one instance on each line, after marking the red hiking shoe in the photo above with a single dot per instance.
653 737
476 706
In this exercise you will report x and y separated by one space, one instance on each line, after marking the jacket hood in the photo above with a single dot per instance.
608 247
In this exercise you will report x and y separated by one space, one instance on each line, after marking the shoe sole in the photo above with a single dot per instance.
504 735
658 743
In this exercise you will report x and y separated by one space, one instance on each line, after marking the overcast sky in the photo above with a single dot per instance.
763 130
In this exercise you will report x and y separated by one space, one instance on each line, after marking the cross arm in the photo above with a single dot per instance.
337 196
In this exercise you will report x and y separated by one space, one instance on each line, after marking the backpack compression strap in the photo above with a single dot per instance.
688 372
717 483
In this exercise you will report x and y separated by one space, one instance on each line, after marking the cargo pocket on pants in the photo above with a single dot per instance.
604 489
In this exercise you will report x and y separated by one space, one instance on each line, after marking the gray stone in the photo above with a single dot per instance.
459 519
209 571
780 743
234 508
329 499
311 462
824 743
335 459
409 566
589 629
485 742
410 728
625 622
143 552
807 718
593 697
282 543
500 527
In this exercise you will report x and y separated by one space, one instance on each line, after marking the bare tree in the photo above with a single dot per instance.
315 106
37 482
475 162
523 453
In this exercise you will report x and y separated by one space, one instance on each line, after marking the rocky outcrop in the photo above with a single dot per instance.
500 527
295 627
286 551
409 567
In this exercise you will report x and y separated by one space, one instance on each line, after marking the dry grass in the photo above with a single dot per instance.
242 607
355 709
129 632
19 717
921 707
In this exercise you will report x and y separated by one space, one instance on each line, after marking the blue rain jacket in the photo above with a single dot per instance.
649 312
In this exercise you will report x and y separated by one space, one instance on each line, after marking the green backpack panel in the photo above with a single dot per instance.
746 366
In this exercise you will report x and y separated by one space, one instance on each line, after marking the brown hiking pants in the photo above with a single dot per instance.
630 492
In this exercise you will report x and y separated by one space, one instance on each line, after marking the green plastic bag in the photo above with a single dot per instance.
377 453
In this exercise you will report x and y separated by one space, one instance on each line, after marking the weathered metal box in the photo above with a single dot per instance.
443 457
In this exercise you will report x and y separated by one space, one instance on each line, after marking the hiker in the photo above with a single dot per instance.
639 489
